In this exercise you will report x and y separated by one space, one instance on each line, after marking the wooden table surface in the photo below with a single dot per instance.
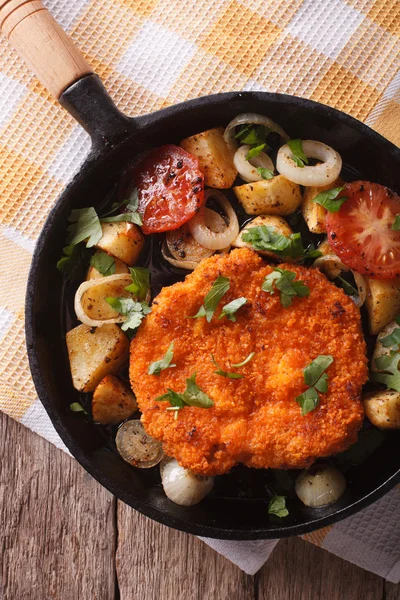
64 537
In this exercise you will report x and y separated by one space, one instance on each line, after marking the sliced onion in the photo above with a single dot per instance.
247 169
319 486
205 236
253 119
332 266
181 485
322 174
122 279
136 447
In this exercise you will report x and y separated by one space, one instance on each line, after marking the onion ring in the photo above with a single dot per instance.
332 266
253 119
122 279
247 169
323 174
205 236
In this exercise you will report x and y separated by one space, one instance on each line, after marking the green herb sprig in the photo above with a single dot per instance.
140 282
268 239
156 367
277 506
132 310
213 298
192 396
265 173
229 310
284 281
298 156
317 379
223 373
396 224
329 199
103 263
254 136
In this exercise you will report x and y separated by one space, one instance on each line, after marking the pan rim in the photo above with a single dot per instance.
203 530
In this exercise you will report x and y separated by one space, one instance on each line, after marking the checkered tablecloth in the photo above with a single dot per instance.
153 53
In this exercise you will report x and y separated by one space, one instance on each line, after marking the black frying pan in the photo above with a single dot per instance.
237 509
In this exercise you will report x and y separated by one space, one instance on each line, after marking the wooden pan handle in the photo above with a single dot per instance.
40 41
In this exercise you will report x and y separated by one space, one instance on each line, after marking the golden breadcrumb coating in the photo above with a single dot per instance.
254 420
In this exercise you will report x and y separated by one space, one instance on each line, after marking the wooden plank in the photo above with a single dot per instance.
157 563
57 523
298 570
392 591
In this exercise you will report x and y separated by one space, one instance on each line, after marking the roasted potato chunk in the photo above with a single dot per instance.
276 196
94 353
314 214
382 302
113 401
94 301
214 155
122 240
269 221
120 268
383 409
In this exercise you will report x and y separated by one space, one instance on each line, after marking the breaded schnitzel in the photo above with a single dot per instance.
255 420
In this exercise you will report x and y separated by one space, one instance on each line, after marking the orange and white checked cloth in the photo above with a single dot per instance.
152 53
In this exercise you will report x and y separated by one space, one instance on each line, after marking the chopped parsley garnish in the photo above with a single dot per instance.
330 200
73 261
164 363
103 263
255 151
317 379
284 281
348 289
223 373
396 223
390 364
192 396
140 282
85 225
269 239
277 506
298 156
77 407
254 136
245 361
214 296
392 340
129 214
132 310
230 309
265 173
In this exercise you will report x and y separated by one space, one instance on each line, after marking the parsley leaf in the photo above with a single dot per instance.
140 282
225 373
103 263
129 213
85 225
390 364
192 396
211 301
315 377
132 310
396 224
284 281
277 506
347 287
314 370
330 200
231 308
77 407
308 400
255 151
296 146
73 261
391 340
268 238
265 173
245 361
164 363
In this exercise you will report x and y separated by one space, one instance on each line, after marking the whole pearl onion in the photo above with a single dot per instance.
320 486
181 485
319 175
